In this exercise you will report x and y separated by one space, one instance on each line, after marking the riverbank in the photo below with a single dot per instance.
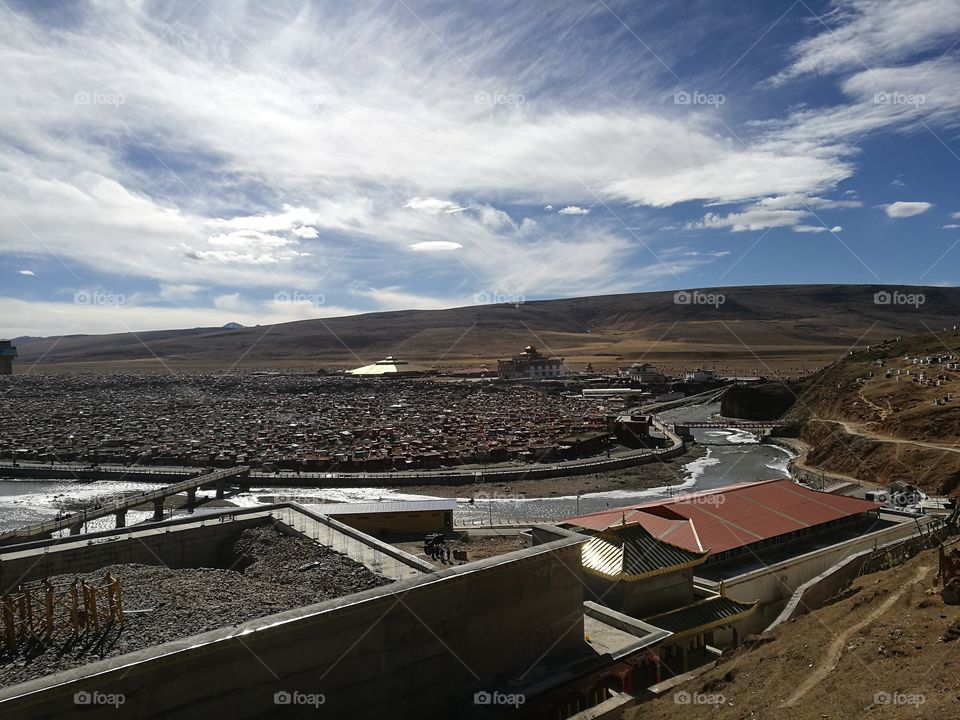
666 472
802 470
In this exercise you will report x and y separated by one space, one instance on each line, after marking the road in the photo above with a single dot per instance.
855 429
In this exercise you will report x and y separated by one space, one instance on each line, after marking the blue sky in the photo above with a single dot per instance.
183 164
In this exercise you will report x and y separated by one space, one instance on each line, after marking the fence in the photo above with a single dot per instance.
39 611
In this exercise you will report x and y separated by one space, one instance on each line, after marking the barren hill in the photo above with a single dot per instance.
753 329
888 412
888 650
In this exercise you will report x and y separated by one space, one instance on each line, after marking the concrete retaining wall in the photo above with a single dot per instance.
814 593
774 585
194 547
410 649
59 472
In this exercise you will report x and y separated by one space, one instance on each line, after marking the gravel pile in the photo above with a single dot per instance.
272 572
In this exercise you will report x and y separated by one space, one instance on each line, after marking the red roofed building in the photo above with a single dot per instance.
729 521
642 560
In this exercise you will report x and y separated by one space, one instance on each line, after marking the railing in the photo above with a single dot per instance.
343 540
131 501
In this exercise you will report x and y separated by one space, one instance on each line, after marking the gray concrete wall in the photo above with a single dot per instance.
193 547
773 585
406 650
814 593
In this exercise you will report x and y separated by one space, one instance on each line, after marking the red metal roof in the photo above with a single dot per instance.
731 517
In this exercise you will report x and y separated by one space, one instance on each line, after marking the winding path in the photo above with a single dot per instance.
854 429
829 660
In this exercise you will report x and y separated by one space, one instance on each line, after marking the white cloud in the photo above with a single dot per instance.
306 232
494 218
291 218
867 33
20 317
955 216
248 247
433 205
950 226
754 218
548 208
795 202
29 273
817 229
901 209
178 292
435 246
573 210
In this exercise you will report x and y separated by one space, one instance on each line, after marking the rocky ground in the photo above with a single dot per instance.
271 572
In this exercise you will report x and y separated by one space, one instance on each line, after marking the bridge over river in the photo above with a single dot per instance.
75 521
759 427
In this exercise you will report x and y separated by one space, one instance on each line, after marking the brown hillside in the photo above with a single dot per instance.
883 652
756 329
860 422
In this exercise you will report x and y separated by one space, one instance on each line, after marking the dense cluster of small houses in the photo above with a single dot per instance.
924 370
292 421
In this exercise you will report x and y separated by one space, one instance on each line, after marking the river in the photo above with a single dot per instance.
732 456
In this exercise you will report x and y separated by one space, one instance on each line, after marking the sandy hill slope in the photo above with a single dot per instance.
754 327
890 412
886 651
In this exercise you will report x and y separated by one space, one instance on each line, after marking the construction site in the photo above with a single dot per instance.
602 613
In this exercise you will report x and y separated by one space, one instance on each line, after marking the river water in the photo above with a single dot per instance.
732 456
